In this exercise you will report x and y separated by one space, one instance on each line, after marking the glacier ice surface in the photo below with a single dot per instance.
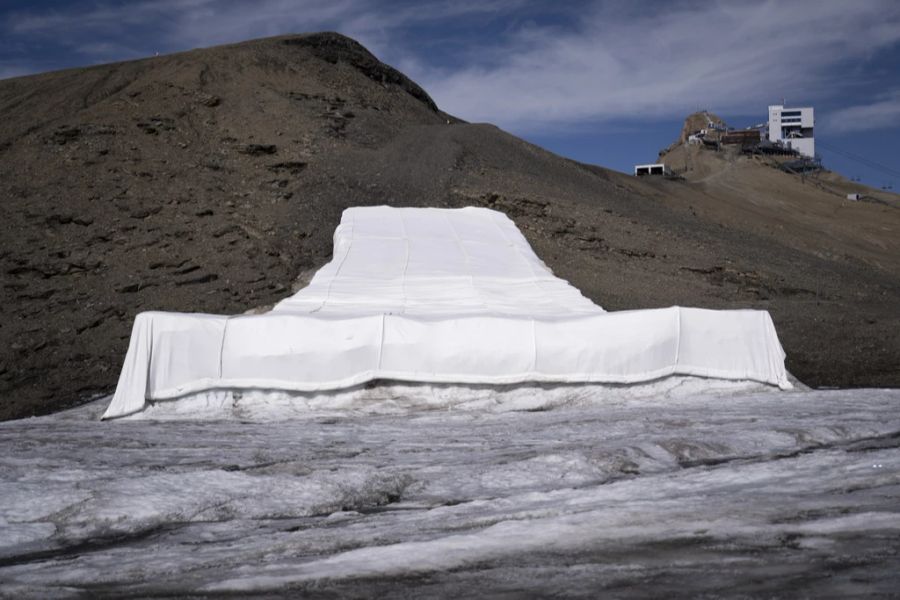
676 490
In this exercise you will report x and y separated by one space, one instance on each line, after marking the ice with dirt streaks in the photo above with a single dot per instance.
714 492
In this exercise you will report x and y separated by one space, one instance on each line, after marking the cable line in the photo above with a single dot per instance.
860 159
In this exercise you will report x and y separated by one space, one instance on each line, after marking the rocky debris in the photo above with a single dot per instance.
48 270
68 218
515 207
197 280
303 96
186 270
144 212
208 100
154 125
65 134
216 164
337 123
336 48
292 167
537 216
225 230
336 117
763 285
258 149
129 289
168 264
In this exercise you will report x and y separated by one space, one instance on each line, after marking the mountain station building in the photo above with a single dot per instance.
793 128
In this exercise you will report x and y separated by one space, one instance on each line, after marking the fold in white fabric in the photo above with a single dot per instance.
444 296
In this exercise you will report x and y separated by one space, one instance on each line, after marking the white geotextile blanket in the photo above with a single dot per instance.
440 296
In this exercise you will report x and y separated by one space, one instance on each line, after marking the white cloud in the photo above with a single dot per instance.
598 62
101 32
210 23
183 23
882 113
666 61
179 24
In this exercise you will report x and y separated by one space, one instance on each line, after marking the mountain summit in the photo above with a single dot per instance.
212 180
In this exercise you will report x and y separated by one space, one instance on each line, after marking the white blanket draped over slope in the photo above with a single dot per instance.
437 295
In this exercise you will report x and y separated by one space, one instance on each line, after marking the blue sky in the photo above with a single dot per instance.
606 82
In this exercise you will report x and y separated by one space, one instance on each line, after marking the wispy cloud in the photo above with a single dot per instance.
658 61
101 31
170 25
883 113
591 61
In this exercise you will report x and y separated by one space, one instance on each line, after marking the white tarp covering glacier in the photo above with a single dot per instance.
437 296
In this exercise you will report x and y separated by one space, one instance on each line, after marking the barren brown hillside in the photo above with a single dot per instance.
209 180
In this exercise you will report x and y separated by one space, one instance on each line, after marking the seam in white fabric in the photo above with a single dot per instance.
677 336
222 345
381 343
405 265
468 260
339 267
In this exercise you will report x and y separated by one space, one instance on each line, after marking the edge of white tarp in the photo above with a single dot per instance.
174 354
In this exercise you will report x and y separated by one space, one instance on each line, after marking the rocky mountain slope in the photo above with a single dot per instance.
210 180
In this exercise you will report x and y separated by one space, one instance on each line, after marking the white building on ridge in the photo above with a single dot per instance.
793 127
654 169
